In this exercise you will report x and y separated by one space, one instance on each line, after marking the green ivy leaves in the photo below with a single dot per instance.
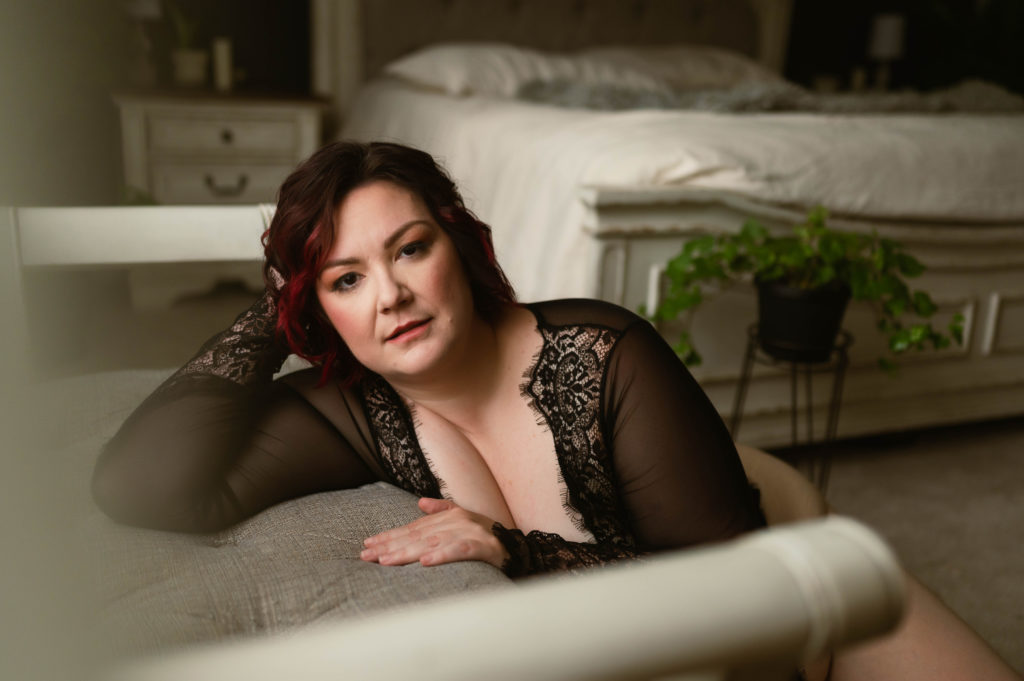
874 268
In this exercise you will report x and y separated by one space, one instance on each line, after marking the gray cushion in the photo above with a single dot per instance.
295 563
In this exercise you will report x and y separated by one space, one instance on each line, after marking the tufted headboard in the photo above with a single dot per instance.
354 39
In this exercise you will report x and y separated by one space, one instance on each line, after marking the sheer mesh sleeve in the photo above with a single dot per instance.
219 440
678 473
667 476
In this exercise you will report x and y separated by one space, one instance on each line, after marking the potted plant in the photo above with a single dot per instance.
188 62
804 282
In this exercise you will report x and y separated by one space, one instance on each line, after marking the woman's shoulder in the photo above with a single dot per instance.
583 312
331 400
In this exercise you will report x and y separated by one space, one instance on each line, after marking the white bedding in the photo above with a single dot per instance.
520 165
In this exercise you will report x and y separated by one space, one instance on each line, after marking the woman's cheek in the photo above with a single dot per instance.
353 315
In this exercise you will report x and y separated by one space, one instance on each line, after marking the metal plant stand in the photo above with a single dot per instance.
818 466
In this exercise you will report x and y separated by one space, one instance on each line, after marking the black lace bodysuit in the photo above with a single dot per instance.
646 461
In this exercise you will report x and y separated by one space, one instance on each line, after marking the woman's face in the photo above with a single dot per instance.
393 286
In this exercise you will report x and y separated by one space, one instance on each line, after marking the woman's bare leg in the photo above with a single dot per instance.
931 644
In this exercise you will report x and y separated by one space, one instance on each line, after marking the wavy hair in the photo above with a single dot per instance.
301 236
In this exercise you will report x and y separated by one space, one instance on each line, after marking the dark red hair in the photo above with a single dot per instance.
301 236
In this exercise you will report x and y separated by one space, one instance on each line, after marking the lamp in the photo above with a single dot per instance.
885 45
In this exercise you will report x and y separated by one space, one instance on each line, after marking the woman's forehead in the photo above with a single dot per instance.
379 200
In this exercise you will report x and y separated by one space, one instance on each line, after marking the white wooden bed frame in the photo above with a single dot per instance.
975 269
743 610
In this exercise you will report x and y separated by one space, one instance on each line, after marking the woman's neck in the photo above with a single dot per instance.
463 391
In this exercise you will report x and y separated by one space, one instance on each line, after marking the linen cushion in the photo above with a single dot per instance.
293 564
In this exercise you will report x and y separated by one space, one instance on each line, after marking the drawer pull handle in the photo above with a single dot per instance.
225 191
226 136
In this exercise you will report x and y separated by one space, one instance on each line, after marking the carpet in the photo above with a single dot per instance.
950 501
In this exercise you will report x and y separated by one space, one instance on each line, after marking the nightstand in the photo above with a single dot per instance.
207 148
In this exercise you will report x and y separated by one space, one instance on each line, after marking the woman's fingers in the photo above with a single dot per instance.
413 529
428 505
448 533
408 544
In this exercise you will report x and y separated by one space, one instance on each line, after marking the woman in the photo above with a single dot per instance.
549 436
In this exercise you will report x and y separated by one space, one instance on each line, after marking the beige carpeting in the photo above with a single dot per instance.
950 501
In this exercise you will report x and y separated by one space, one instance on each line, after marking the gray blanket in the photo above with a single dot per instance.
969 96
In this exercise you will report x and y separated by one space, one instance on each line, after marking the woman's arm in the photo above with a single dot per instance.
678 478
678 473
219 440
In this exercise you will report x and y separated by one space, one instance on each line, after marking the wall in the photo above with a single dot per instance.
58 146
945 41
270 40
59 60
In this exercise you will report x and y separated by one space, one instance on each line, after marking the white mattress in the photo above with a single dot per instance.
520 165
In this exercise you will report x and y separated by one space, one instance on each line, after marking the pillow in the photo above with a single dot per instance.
686 67
499 70
292 564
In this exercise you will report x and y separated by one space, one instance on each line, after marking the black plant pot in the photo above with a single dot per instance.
798 324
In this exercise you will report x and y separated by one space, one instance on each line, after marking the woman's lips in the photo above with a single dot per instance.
408 331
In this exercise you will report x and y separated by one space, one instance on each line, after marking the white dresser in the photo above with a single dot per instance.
214 149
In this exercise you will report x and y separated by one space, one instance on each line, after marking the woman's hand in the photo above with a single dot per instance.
448 533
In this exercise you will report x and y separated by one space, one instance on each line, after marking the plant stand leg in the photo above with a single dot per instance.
818 466
741 388
793 406
808 380
832 426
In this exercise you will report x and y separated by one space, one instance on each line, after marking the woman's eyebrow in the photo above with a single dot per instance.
388 243
397 234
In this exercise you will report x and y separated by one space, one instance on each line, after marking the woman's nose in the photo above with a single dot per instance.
392 293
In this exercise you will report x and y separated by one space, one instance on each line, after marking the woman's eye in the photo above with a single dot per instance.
346 281
412 249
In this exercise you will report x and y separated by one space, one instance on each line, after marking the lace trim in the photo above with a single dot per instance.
543 551
395 435
563 488
246 353
564 387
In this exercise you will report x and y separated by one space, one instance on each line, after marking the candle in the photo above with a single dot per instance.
222 64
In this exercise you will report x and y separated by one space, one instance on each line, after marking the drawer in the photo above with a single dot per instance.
227 135
213 183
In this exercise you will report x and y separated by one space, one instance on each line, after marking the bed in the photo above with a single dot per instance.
593 201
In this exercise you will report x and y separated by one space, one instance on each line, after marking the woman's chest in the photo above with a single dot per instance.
536 459
510 471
